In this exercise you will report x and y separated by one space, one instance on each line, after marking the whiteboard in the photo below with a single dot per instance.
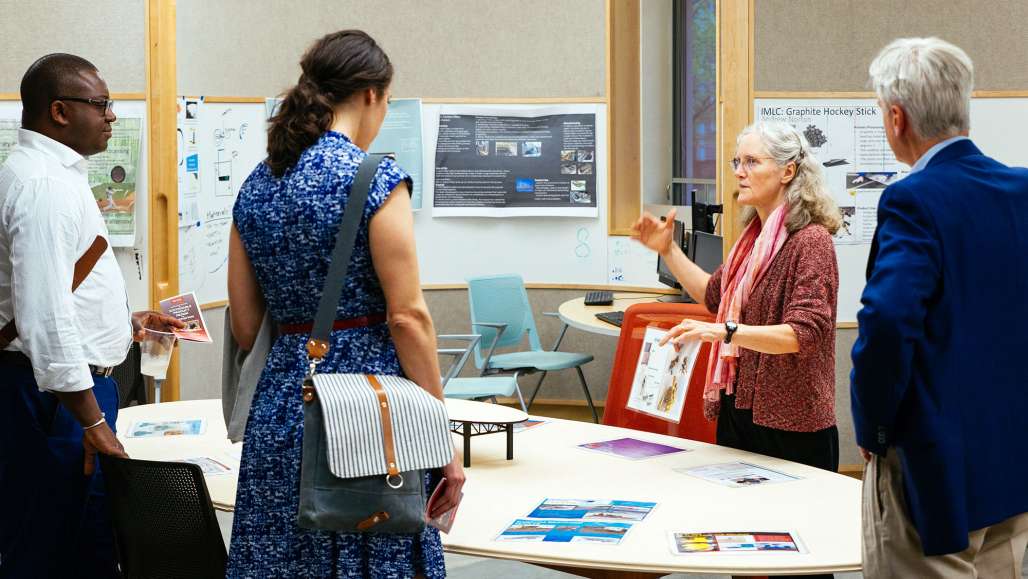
134 260
230 141
558 250
998 126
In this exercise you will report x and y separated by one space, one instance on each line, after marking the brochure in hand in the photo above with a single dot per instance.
737 474
185 308
443 522
557 531
662 376
592 509
632 448
743 542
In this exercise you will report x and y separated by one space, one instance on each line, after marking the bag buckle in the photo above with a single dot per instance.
389 481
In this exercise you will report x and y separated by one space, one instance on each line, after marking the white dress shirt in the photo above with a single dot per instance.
48 218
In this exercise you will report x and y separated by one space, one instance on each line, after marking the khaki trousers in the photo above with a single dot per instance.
892 547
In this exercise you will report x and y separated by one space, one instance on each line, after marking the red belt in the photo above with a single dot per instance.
308 327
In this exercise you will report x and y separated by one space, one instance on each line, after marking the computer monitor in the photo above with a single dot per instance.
705 250
664 274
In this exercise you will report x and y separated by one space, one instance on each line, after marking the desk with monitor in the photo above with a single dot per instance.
702 248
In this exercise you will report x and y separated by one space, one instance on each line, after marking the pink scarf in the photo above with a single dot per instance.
747 263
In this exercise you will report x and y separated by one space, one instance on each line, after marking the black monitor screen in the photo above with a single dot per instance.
663 272
706 250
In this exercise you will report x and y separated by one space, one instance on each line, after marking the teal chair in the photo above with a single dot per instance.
478 387
501 313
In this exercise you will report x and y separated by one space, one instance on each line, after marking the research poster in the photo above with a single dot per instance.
538 161
400 136
8 136
848 138
112 178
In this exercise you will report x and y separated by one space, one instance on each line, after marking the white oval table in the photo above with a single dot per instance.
582 317
823 508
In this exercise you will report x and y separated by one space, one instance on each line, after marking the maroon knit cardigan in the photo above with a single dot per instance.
793 392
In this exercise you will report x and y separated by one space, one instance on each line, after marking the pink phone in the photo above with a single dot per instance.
443 522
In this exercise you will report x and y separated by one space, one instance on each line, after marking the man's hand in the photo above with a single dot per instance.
154 321
100 440
865 454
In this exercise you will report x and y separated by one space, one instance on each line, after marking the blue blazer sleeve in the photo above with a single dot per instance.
903 275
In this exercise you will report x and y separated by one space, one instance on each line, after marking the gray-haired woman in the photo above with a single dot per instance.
771 375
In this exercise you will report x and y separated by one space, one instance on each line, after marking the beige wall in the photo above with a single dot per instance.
440 48
108 33
827 45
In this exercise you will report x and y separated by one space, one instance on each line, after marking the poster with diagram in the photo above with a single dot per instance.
220 145
662 376
517 161
8 136
848 138
112 178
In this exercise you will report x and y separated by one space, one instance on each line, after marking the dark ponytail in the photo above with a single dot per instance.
335 68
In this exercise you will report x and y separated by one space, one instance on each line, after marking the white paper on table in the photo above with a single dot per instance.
737 474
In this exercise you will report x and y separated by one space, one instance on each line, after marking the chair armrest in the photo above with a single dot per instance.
500 328
460 355
563 331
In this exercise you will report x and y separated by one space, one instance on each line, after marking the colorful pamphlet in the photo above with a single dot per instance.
185 308
662 376
557 531
737 542
632 448
592 509
209 465
737 474
529 424
153 428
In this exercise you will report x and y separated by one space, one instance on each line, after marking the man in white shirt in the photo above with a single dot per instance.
56 395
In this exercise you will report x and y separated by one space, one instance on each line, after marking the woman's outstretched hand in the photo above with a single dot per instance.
654 233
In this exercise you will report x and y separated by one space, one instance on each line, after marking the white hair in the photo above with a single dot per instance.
807 195
931 80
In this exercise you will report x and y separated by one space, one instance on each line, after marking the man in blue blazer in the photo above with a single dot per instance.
940 368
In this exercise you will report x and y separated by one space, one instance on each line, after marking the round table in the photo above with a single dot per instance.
822 508
580 316
478 418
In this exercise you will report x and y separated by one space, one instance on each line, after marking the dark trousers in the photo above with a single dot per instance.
735 429
54 521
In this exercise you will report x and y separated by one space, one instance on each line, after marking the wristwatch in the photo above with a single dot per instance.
730 328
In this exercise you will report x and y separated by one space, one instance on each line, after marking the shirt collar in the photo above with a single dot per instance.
927 157
63 153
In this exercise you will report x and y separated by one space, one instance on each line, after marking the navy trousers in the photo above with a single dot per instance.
54 521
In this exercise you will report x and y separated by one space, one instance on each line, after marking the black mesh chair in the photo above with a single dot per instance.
164 523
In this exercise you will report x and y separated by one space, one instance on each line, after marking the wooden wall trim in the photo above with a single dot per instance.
778 94
735 100
162 163
118 96
623 116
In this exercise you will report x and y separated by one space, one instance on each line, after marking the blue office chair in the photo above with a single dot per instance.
478 387
501 300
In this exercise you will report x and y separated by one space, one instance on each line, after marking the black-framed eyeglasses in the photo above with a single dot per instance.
106 105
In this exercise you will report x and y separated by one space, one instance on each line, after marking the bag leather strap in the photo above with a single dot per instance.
339 265
387 425
83 266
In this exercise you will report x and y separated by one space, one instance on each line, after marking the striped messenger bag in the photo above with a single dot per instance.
367 438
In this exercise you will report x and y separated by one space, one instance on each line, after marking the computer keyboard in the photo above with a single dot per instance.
599 298
615 318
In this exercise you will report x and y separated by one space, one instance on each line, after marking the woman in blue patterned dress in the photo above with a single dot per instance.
286 221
